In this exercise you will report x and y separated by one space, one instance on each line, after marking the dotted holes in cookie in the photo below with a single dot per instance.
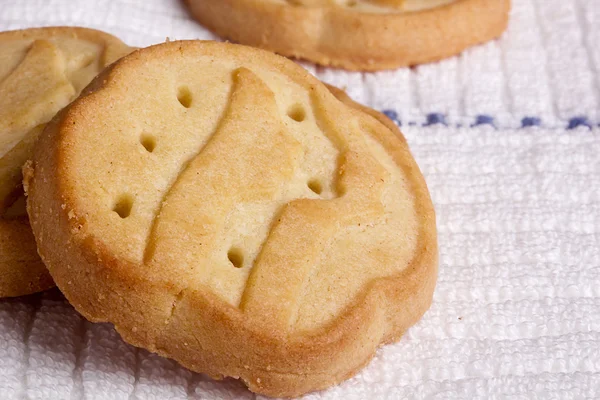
184 95
123 205
236 258
351 3
148 141
315 185
297 113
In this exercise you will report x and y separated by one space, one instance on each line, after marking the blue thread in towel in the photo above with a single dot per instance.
579 121
436 118
530 121
484 120
391 114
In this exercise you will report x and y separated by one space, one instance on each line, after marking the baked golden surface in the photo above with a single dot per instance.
222 207
41 71
363 35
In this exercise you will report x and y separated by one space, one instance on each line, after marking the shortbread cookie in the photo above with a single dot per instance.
364 35
229 212
41 71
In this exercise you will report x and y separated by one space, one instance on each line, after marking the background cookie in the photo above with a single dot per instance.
41 71
231 213
356 34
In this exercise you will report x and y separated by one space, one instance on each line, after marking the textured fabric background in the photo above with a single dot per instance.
507 136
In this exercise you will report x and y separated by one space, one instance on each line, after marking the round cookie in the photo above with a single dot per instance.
232 213
41 71
366 35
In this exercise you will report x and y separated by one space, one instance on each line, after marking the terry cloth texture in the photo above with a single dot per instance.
508 137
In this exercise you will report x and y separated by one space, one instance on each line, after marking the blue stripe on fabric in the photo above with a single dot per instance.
393 115
530 121
436 118
484 119
576 122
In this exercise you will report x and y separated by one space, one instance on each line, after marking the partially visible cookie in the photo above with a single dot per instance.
364 35
231 212
41 71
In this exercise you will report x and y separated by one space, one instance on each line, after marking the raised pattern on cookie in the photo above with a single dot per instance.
234 170
41 71
276 232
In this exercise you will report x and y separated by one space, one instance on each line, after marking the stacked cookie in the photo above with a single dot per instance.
366 35
41 71
218 204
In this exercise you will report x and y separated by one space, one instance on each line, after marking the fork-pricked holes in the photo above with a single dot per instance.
297 112
315 186
184 96
148 141
236 257
123 205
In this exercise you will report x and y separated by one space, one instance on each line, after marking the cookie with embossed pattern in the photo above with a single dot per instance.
232 213
363 35
41 71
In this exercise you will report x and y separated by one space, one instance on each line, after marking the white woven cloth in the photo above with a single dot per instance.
507 136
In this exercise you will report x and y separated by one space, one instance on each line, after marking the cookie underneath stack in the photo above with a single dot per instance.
363 35
41 71
231 212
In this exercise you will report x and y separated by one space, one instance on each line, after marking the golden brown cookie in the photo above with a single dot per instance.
41 71
363 35
228 211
